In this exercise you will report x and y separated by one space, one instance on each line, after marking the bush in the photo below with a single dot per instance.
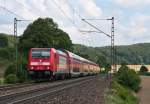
143 69
11 69
1 81
144 73
119 94
3 40
20 73
7 53
11 78
147 74
128 77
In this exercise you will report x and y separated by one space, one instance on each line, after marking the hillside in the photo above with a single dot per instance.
6 53
131 54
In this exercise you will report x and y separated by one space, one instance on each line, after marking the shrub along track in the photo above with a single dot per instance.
44 90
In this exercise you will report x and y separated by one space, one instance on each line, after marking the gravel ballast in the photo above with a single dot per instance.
91 92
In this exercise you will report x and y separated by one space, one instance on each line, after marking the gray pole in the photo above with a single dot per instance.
15 42
113 52
113 68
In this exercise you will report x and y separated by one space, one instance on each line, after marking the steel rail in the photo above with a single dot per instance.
13 86
30 94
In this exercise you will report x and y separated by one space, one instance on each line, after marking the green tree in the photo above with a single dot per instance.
7 53
143 69
128 77
20 73
11 69
44 33
101 61
11 78
82 55
107 67
3 40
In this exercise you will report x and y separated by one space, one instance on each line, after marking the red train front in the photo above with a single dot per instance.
42 62
47 63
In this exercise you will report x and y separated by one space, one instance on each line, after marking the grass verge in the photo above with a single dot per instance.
119 94
1 81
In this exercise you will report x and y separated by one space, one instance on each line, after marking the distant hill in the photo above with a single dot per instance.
131 54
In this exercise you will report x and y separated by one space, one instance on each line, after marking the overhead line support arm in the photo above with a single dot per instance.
96 28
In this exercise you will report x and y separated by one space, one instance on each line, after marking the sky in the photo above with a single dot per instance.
132 18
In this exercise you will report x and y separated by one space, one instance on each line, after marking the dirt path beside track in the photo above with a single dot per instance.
144 93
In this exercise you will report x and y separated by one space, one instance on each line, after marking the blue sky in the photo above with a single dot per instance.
132 18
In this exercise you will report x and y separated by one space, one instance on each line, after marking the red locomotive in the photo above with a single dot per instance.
50 63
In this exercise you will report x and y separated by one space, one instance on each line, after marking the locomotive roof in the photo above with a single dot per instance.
61 52
79 57
40 48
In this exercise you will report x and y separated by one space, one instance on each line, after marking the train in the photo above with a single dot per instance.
51 63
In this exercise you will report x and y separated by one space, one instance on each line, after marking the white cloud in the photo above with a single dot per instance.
132 3
5 28
91 8
136 30
43 8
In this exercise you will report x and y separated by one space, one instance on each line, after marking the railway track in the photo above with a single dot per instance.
15 86
9 89
24 96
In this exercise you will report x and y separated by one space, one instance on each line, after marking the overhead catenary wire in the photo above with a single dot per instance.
78 14
30 9
82 31
73 9
21 4
20 18
89 31
64 13
96 28
11 12
72 21
25 8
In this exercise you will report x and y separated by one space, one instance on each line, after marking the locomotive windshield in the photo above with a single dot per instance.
40 53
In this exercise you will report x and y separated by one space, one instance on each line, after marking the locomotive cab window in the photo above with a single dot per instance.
38 53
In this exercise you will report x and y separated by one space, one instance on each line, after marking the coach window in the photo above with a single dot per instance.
76 69
62 61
